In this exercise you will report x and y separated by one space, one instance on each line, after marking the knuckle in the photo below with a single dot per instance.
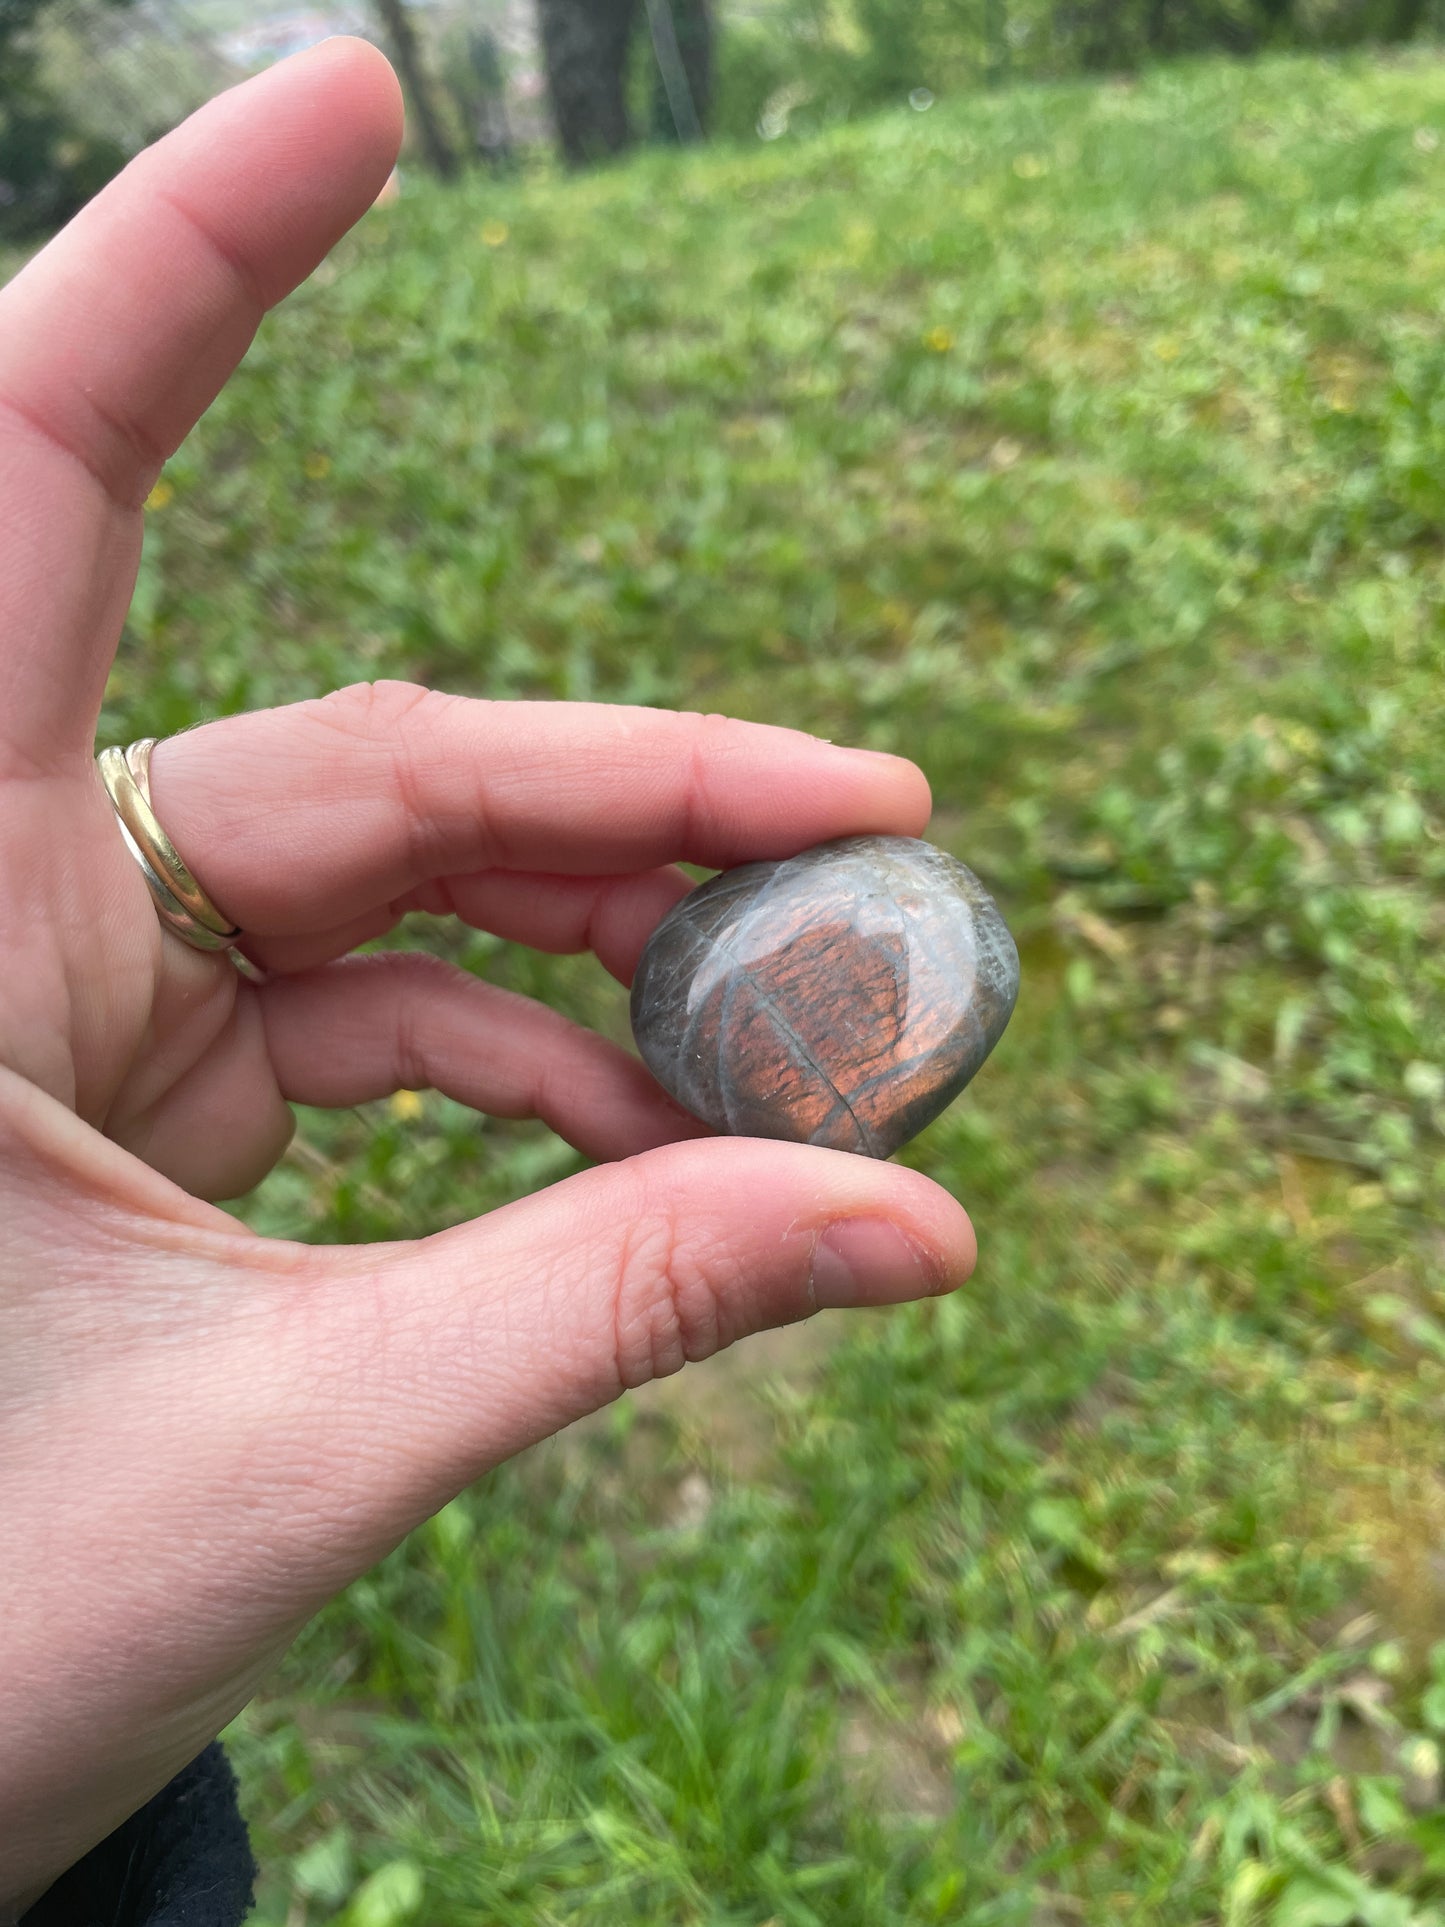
373 710
669 1305
402 726
709 736
709 725
423 972
419 981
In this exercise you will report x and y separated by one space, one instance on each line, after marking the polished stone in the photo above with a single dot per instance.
842 997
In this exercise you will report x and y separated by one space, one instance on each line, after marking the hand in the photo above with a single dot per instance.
204 1434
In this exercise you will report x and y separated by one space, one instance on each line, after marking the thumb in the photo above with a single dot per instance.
482 1340
208 1433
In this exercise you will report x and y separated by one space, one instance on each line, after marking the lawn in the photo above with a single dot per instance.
1086 444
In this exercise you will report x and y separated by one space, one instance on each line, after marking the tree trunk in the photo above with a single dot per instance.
1406 19
490 128
1278 16
682 42
405 52
584 46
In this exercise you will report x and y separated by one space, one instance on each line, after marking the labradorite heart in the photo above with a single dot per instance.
842 997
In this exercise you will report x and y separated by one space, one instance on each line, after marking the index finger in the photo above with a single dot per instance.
120 332
300 819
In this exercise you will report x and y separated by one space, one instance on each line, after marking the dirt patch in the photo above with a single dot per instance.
718 1410
1398 1510
714 1419
902 1767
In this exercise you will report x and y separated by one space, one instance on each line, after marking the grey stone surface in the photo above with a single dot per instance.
841 997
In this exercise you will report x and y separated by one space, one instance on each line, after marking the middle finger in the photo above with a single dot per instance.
610 916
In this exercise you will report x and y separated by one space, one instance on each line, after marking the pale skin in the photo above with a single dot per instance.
205 1434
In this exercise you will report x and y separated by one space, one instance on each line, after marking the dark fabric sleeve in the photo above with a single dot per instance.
182 1861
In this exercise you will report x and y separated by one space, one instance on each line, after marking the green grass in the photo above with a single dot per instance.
1088 445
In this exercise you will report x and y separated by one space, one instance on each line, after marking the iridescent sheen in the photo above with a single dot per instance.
843 997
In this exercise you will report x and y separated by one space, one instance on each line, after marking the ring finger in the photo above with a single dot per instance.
364 1027
368 1026
610 916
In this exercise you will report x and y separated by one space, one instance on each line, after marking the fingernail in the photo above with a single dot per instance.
867 1261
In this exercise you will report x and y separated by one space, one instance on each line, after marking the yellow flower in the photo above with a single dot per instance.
160 495
495 233
938 341
317 466
405 1107
1167 349
1298 737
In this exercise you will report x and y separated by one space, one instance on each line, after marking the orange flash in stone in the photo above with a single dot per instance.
843 997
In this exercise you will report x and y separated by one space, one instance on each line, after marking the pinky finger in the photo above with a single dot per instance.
364 1027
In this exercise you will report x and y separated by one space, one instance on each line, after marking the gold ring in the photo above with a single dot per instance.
182 905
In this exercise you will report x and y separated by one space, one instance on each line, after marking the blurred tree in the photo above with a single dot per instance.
587 45
895 40
49 164
1278 18
682 39
491 130
798 64
1406 19
402 46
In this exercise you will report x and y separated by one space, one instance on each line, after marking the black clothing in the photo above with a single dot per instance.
182 1861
